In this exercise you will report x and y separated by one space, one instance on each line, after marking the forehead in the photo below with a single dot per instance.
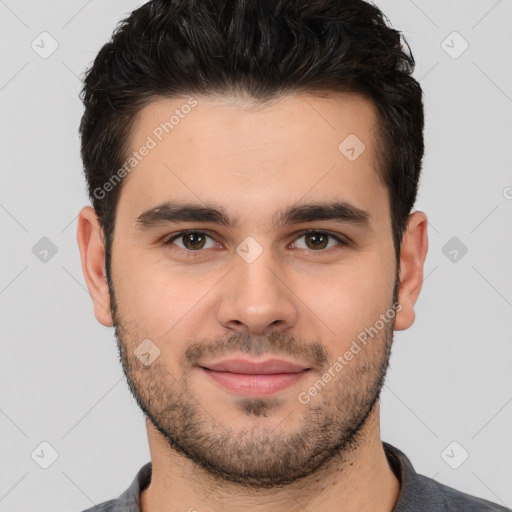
227 150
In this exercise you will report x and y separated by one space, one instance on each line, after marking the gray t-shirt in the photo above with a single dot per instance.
418 493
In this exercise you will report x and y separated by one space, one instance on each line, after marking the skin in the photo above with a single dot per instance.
212 449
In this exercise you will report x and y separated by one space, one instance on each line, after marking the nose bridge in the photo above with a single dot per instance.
255 296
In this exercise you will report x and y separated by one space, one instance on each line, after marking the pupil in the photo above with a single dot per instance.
314 235
191 238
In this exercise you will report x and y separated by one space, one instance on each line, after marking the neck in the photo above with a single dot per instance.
360 480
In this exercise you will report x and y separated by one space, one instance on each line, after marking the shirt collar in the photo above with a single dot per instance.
401 466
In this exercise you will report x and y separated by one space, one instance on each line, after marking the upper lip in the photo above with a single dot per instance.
245 366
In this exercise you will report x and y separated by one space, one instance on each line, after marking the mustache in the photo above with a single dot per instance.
276 343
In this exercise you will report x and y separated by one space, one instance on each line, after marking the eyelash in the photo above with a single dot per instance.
191 253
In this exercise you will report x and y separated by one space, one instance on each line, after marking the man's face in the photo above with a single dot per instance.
255 290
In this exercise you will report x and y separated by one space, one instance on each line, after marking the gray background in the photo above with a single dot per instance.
450 376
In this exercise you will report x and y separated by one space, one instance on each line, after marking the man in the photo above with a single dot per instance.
252 167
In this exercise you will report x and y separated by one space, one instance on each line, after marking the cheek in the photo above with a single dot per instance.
156 297
352 300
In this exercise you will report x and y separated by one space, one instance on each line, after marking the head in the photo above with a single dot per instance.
250 123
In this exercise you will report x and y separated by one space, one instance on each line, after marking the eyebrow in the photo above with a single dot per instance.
171 212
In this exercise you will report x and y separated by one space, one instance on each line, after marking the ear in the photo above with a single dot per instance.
412 258
92 253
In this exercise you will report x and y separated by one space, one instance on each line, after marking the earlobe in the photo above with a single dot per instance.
92 254
412 259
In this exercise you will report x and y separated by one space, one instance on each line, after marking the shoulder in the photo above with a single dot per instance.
129 501
114 505
106 506
450 499
419 493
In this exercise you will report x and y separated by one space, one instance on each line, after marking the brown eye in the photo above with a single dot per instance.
191 240
319 240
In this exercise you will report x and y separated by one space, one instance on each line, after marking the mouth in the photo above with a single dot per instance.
255 378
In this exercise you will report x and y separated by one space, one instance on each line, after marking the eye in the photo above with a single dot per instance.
193 241
319 240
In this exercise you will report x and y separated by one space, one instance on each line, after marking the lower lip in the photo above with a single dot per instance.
255 385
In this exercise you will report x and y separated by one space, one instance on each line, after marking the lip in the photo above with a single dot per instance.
248 367
253 379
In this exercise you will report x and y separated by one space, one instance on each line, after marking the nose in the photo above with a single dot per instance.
256 297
